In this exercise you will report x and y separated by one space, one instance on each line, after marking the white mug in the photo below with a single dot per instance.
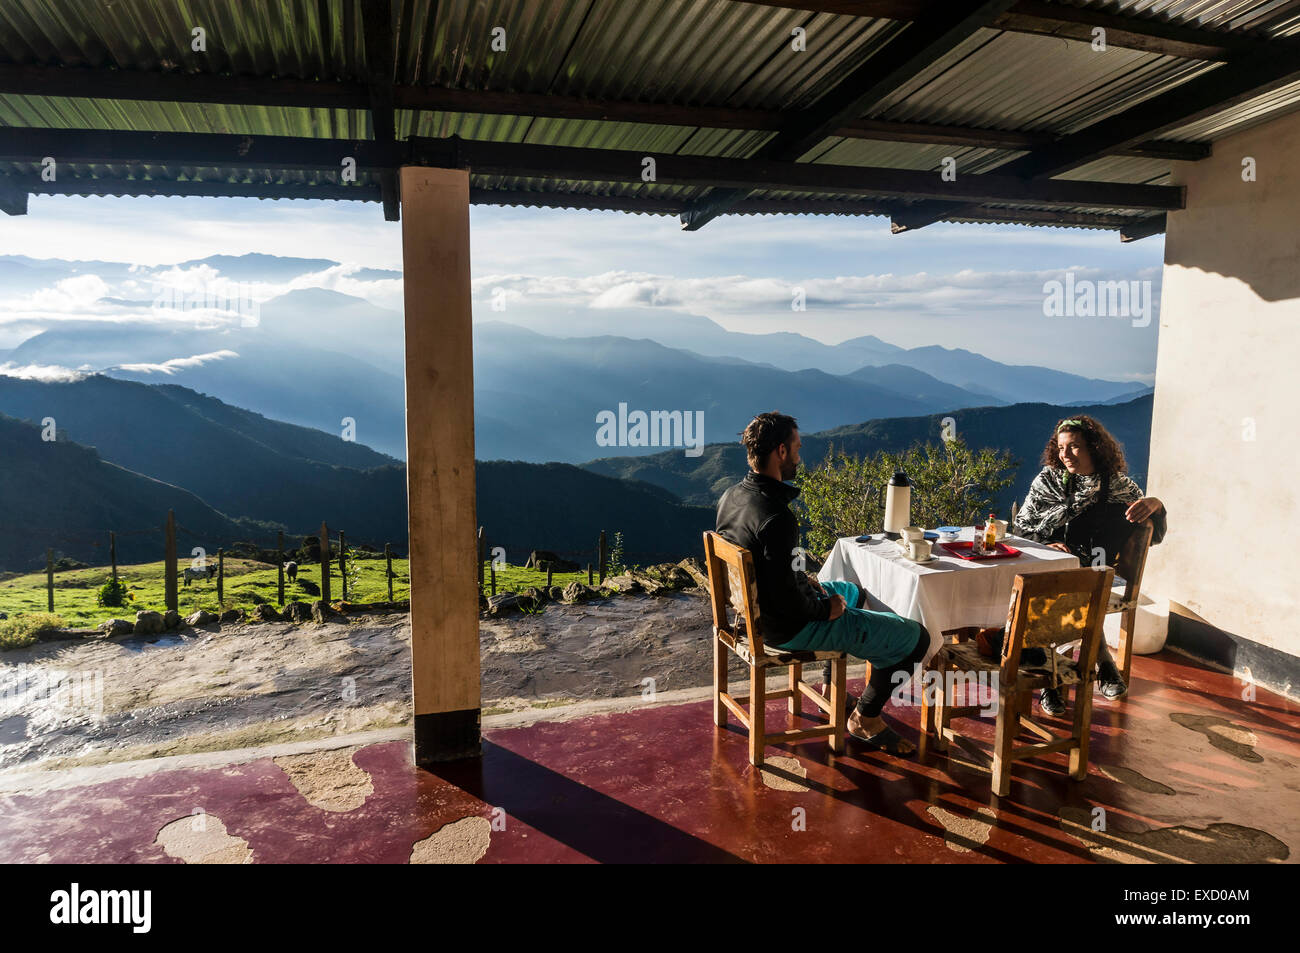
918 549
910 533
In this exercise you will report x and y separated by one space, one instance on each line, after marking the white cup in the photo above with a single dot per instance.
918 549
910 533
1001 528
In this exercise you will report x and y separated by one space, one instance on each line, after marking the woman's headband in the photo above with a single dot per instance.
1070 423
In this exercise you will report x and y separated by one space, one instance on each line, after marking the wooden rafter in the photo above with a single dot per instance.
236 90
903 58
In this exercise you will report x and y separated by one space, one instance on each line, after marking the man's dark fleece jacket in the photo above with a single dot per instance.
755 514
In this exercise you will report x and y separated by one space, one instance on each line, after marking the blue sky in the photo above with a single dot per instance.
980 287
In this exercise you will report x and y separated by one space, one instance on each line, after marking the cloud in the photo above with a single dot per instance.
177 363
920 293
175 295
46 373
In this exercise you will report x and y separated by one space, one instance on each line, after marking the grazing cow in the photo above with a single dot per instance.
204 573
291 570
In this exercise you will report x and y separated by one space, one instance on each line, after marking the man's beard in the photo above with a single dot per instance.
788 469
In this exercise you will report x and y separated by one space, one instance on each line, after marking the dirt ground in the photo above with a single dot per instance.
222 687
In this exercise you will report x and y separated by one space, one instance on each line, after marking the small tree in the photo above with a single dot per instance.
616 567
951 484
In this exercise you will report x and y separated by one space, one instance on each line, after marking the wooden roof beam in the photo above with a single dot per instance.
914 50
1125 31
234 90
747 174
1205 95
381 68
1143 228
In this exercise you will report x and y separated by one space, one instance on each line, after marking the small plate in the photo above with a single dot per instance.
921 562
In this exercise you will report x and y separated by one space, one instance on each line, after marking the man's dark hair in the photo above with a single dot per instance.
765 433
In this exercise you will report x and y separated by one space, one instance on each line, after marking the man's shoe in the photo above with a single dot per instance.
1050 701
1110 683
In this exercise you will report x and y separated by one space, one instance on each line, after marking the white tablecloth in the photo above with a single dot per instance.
943 594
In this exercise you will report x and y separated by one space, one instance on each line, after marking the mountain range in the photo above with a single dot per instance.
232 475
316 357
297 415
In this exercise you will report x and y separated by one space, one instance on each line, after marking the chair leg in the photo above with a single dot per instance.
794 704
1008 707
720 652
927 718
1081 732
943 711
1127 622
757 709
839 719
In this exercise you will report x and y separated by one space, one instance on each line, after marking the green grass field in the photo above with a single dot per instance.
246 583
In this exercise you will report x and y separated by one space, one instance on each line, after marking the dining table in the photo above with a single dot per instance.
946 593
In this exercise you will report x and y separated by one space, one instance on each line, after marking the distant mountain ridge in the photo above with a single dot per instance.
317 357
64 496
1021 429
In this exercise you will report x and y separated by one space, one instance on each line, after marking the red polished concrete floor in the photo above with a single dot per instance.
1183 770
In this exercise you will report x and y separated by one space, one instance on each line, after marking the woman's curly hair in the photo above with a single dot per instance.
1106 452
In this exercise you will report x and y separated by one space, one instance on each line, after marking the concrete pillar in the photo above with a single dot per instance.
440 463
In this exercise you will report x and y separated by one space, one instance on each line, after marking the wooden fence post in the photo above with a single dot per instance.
602 556
590 579
221 578
49 578
549 569
279 568
482 552
492 568
343 568
170 595
112 553
324 563
388 558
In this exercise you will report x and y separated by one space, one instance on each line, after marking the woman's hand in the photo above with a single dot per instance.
1059 546
1143 508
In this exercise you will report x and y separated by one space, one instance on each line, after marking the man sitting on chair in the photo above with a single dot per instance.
798 613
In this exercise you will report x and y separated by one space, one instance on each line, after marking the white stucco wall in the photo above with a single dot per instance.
1229 360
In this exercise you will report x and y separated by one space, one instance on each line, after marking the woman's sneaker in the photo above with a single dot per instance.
1050 701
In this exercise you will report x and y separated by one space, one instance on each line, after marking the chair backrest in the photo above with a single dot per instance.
1132 561
732 585
1053 608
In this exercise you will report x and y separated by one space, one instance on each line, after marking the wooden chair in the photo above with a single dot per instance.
732 586
1046 610
1130 566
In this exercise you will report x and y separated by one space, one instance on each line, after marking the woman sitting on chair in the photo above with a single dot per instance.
1082 501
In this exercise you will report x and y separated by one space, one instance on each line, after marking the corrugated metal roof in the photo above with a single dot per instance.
686 52
1273 18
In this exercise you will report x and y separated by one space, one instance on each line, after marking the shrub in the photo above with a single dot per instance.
615 565
22 631
951 485
112 593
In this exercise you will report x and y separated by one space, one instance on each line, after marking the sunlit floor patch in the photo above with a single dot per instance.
776 774
1223 734
329 780
202 839
461 842
960 833
1133 779
1215 844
